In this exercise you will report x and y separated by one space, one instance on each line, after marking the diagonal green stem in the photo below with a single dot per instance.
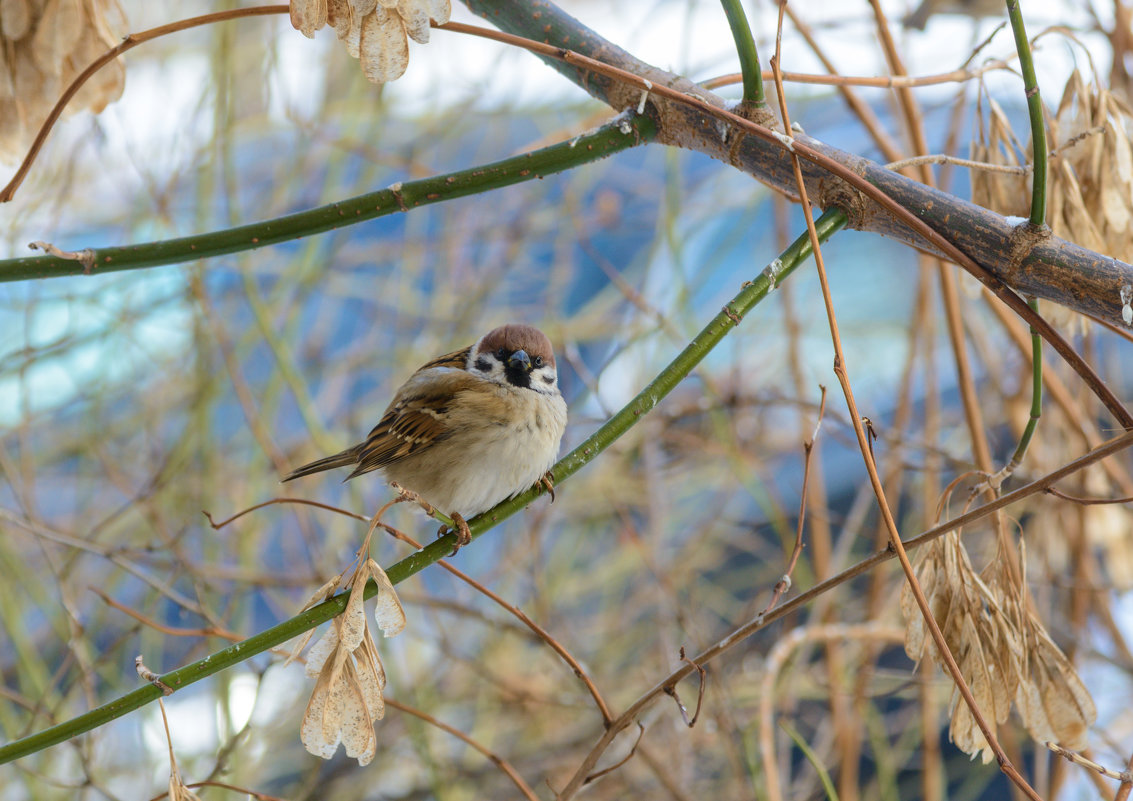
1036 400
623 132
729 317
1039 156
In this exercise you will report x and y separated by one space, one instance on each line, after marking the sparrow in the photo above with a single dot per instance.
470 428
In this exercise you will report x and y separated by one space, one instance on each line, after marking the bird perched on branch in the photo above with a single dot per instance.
468 429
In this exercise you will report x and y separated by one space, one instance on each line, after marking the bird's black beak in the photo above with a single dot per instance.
520 361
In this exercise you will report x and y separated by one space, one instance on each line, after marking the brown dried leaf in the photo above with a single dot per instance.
383 46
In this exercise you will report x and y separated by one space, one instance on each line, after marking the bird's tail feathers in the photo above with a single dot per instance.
346 457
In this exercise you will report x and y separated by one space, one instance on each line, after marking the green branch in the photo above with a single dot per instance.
1034 112
1039 157
745 49
729 317
624 132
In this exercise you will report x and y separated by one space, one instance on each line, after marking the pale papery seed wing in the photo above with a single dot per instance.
307 16
1117 193
383 47
1069 707
388 612
56 34
105 86
353 38
965 734
312 732
320 595
974 667
416 18
371 678
337 693
926 572
15 18
33 85
108 19
1007 671
340 15
11 118
298 647
357 727
439 10
1079 221
1029 703
914 625
321 651
354 616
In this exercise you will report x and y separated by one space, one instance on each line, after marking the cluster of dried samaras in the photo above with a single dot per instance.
46 44
348 673
376 32
1090 191
1001 647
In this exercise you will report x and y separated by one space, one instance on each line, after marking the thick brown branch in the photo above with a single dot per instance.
1049 267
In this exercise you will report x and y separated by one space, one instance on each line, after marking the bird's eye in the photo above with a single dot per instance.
537 361
501 353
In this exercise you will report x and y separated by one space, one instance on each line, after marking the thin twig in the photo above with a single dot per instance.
784 583
497 760
672 691
129 43
798 148
539 631
599 774
1087 501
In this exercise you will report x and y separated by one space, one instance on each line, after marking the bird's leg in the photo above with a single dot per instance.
463 533
548 482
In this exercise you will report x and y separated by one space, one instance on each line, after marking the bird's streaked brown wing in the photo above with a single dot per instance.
418 418
457 359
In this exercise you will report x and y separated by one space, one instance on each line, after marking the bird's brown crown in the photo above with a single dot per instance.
517 336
